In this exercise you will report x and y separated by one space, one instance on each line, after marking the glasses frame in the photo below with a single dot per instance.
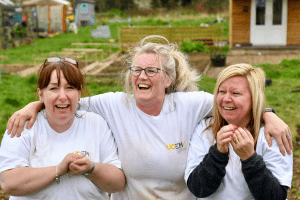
62 59
130 68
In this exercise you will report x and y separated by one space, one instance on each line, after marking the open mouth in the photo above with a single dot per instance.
62 106
143 87
229 108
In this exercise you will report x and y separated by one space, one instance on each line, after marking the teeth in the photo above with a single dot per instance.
62 106
228 108
144 86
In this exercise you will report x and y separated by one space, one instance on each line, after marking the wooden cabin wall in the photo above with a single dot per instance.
293 22
241 21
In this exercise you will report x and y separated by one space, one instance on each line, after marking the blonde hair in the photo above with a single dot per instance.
174 62
256 80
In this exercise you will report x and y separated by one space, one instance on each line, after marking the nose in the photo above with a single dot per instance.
62 94
227 97
143 74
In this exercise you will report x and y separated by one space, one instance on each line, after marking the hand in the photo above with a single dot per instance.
224 136
17 121
243 143
275 127
63 166
80 166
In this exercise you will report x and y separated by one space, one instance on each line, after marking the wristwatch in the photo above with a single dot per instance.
89 172
270 110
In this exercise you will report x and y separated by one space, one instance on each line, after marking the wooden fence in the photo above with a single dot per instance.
130 36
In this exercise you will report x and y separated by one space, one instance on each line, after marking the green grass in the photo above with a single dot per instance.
42 47
284 93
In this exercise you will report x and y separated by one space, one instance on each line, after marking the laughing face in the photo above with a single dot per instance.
60 101
147 90
234 101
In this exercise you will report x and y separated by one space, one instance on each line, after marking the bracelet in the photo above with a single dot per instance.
57 178
89 172
270 110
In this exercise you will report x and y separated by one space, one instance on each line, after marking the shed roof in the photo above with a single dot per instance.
34 2
6 3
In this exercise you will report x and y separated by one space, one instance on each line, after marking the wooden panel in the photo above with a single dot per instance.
240 21
129 36
293 24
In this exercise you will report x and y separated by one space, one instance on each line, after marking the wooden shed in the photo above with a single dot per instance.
264 23
51 14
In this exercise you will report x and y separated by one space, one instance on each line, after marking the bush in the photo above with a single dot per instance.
188 46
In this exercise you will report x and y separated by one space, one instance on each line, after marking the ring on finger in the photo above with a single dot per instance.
236 141
288 136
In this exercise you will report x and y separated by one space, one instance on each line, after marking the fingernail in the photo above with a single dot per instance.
245 129
234 126
233 131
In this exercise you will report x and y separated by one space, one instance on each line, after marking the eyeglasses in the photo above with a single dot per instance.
149 71
57 59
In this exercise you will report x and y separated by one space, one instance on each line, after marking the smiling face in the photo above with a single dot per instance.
60 101
234 101
149 91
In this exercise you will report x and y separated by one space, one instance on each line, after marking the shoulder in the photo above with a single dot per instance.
202 132
89 116
193 95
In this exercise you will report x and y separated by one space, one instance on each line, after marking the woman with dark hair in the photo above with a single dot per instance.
67 154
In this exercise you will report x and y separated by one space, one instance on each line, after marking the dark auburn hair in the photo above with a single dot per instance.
71 73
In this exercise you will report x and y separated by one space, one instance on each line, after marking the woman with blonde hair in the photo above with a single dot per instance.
153 120
229 157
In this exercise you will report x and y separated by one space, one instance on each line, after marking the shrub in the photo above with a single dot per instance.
189 46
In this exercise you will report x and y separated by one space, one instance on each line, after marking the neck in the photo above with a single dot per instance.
60 126
153 109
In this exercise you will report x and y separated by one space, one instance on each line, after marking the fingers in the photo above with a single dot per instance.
268 138
15 127
290 139
287 141
31 121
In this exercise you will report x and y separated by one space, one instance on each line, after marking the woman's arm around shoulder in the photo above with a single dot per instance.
275 127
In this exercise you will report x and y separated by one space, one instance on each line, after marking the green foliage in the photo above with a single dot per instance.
218 50
188 46
118 12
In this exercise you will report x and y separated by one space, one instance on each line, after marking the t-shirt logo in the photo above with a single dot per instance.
179 147
84 153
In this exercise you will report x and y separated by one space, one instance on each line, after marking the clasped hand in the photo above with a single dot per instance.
74 164
240 139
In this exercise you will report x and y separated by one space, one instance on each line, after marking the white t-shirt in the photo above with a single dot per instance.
41 146
233 184
153 149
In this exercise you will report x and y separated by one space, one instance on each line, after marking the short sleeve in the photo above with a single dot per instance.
15 152
108 148
280 166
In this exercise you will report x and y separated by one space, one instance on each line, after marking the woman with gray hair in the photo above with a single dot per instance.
229 157
153 120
